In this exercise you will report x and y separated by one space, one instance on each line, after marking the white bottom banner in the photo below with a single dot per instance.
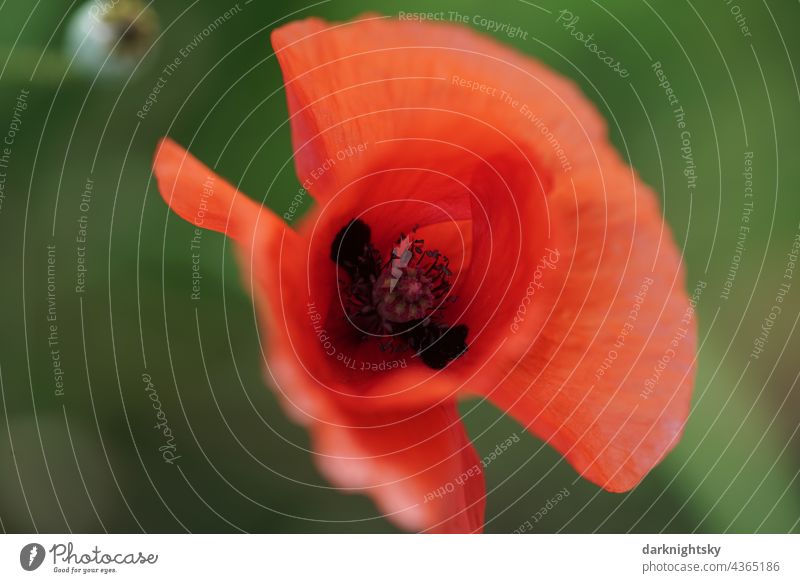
371 558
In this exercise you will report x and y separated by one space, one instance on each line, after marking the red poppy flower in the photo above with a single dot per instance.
473 233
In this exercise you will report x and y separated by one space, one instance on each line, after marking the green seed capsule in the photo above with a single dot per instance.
110 37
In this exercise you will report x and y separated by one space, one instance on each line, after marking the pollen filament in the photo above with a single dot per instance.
400 301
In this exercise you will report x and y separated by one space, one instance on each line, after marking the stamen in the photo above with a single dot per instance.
350 247
442 345
399 301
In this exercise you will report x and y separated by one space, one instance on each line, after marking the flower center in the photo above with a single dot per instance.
400 301
409 297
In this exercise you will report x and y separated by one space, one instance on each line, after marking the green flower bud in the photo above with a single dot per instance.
110 36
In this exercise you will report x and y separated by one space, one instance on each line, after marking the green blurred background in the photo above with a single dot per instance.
88 460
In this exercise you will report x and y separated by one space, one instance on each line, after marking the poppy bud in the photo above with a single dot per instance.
110 37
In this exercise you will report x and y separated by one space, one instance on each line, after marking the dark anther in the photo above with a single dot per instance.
350 244
398 301
444 345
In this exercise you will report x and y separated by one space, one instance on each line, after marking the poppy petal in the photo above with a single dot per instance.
418 465
197 194
420 469
608 381
376 78
385 110
397 88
